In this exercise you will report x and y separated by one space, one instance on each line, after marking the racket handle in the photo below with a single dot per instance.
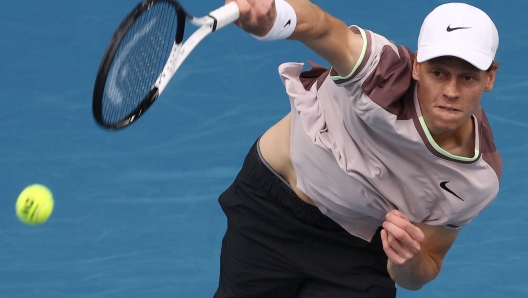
225 15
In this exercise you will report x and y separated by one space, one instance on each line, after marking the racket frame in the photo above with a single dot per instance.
208 24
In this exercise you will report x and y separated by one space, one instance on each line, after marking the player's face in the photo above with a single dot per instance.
449 92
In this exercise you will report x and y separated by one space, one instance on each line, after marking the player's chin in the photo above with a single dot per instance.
448 114
444 127
449 120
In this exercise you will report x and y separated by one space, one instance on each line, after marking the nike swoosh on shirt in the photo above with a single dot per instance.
449 29
443 185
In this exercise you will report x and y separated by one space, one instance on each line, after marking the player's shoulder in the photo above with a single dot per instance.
379 56
490 153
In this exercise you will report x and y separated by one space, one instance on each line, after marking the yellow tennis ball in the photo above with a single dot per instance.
34 205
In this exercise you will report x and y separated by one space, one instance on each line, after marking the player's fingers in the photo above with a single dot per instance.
243 6
253 8
247 20
263 10
261 4
405 252
401 236
401 221
399 214
256 16
392 255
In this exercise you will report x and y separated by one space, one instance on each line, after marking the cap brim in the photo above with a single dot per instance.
477 59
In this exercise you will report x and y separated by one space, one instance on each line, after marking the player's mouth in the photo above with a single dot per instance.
449 109
448 114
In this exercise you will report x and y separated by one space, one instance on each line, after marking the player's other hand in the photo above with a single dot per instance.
256 16
401 239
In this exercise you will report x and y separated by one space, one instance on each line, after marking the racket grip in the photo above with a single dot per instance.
226 14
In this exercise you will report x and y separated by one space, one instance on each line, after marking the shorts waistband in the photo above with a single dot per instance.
280 193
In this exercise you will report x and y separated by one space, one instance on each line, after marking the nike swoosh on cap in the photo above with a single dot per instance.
449 29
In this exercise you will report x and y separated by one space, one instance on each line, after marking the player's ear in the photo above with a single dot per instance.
415 70
491 74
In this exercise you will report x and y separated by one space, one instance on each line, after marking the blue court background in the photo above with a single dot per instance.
136 212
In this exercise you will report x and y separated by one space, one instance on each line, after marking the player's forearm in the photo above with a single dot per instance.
325 35
415 273
312 21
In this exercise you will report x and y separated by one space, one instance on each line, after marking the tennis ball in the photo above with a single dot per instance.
34 205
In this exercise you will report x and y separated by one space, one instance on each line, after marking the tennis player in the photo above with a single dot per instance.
382 159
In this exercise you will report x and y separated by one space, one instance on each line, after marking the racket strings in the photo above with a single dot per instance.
139 61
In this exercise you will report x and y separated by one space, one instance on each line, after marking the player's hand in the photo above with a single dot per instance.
256 16
401 239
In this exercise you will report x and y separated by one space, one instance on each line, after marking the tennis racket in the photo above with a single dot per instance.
144 54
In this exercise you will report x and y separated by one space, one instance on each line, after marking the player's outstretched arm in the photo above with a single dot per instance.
415 251
325 35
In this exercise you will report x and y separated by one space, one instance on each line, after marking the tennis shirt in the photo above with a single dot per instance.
360 147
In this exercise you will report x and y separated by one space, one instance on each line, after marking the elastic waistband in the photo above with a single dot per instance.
280 193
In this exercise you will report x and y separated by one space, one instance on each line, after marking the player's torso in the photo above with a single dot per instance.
358 147
380 177
275 149
357 160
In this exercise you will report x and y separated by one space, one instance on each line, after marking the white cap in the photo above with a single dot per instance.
459 30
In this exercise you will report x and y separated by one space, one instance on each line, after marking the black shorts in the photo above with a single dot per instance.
277 245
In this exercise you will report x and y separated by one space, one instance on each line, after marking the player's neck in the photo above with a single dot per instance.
460 142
